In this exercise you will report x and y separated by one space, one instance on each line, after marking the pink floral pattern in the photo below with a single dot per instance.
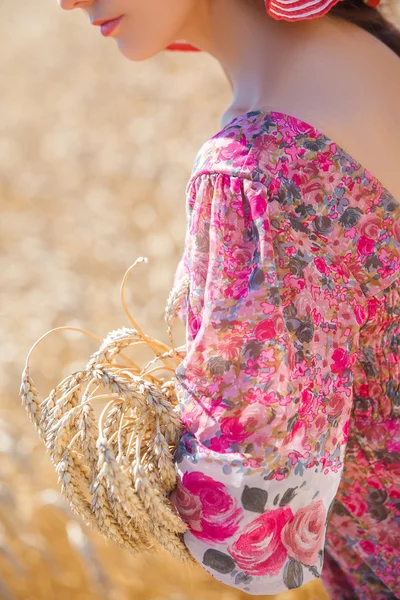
207 507
302 536
259 550
289 464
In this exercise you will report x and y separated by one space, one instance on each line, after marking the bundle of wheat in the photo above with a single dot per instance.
116 471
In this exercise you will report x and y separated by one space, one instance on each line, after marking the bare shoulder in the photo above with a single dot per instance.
361 110
365 119
350 91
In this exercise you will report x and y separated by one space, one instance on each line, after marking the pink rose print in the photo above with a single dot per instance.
341 360
370 226
374 432
354 500
265 330
299 126
247 426
207 507
298 436
225 152
258 206
308 403
393 446
363 390
368 547
346 429
375 388
318 426
233 430
388 538
372 308
219 444
303 536
238 255
360 314
259 549
365 245
335 405
321 265
279 325
189 506
193 323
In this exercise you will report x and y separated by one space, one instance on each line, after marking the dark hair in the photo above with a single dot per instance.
380 22
372 20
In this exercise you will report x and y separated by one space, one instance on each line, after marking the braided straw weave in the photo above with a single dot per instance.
116 471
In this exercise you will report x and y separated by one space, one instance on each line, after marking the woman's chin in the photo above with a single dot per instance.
136 53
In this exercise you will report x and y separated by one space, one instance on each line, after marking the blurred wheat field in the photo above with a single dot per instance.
95 153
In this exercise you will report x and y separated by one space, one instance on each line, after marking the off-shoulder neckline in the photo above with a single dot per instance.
319 134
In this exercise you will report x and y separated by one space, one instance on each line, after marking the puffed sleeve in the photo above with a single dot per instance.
265 389
180 272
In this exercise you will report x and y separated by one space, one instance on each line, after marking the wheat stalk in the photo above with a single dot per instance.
117 471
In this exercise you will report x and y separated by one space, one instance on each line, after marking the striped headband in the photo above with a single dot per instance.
287 10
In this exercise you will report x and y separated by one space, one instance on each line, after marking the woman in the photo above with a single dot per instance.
288 468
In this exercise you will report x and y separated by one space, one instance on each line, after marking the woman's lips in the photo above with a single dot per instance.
108 27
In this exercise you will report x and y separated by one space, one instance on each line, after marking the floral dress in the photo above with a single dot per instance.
288 466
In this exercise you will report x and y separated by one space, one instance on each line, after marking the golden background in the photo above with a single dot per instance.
95 154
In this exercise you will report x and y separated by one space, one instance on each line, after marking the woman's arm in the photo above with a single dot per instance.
265 389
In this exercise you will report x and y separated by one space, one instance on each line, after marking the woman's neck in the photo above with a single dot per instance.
257 53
